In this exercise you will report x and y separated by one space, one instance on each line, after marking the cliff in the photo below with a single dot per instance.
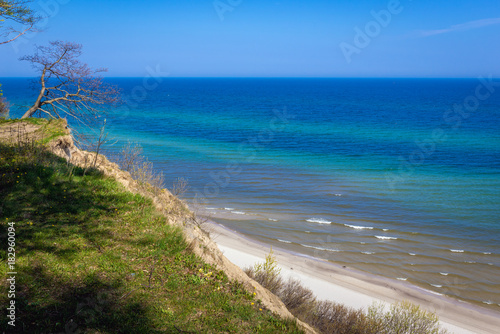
174 210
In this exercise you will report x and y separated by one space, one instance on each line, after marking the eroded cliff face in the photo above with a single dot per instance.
177 214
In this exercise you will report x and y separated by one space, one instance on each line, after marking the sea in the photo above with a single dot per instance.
394 177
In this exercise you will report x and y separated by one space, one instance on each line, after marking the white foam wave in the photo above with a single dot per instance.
229 209
385 238
385 229
457 250
308 231
470 262
321 248
437 285
412 254
402 278
238 212
487 253
211 208
359 227
363 243
444 274
285 241
368 253
488 302
434 292
318 220
273 220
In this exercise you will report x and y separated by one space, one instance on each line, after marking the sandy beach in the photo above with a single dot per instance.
354 288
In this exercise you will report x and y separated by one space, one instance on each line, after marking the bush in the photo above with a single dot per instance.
130 156
141 170
267 274
404 317
295 296
331 317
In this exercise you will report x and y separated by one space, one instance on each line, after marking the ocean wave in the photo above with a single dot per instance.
238 212
229 209
273 220
385 229
402 278
211 208
307 231
368 253
457 250
434 292
359 227
385 238
321 248
488 302
437 285
444 274
487 253
412 254
318 220
285 241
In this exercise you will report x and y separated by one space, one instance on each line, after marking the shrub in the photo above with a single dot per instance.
331 317
404 317
130 155
295 296
267 274
141 170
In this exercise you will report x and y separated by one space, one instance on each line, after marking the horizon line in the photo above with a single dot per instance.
256 77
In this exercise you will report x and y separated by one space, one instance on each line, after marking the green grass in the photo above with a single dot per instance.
47 130
94 258
34 121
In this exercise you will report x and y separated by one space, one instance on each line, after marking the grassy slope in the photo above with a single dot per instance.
93 257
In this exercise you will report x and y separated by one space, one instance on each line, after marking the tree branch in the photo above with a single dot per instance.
77 91
19 35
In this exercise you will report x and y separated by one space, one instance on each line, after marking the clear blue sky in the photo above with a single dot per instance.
266 38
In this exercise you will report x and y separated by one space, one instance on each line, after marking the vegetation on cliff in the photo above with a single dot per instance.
92 257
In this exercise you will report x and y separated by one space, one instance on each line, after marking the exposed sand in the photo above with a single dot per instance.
354 288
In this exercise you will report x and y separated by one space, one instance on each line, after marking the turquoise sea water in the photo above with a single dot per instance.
397 177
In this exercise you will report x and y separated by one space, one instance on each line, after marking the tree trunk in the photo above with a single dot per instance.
37 104
30 112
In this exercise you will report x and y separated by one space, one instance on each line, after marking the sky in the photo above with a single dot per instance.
266 38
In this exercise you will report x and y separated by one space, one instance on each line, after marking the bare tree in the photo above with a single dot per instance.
68 86
20 17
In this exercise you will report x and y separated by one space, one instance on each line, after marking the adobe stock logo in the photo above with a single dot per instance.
372 29
221 7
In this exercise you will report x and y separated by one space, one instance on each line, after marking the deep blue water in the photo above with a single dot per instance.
365 172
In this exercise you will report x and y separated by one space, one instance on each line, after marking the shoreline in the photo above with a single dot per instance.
352 287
